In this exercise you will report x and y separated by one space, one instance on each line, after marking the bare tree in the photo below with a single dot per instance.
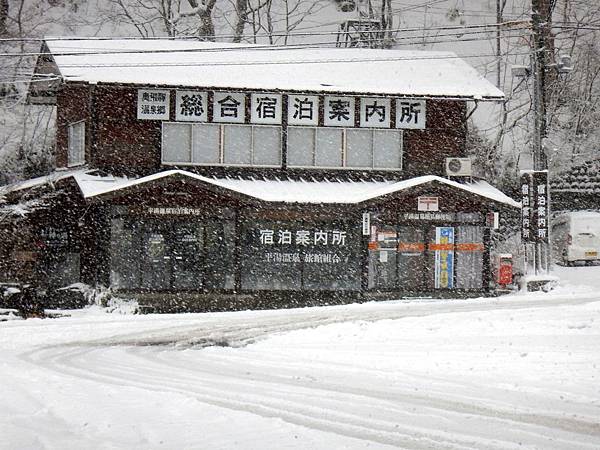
4 8
241 11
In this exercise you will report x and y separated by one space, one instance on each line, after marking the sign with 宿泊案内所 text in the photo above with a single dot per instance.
540 211
267 108
534 206
302 237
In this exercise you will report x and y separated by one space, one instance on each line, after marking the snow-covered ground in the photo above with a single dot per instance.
520 371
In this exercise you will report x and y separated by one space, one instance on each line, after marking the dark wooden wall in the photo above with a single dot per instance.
122 143
73 104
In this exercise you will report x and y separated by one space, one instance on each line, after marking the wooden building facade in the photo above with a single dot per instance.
180 182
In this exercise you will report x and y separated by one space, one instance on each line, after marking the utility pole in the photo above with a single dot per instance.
542 50
540 20
499 9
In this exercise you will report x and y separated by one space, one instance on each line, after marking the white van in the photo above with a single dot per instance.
576 237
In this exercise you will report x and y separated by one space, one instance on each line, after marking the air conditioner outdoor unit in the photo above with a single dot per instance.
458 167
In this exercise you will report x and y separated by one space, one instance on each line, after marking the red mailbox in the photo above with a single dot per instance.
505 269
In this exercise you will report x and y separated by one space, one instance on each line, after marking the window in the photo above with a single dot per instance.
327 147
215 144
300 146
351 148
300 256
76 149
178 138
171 253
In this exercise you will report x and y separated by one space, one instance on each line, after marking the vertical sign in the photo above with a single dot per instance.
534 206
153 104
540 205
410 114
366 223
444 257
191 106
526 207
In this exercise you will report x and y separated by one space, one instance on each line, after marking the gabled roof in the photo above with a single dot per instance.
162 62
293 191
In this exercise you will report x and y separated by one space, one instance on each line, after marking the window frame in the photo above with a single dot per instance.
344 149
221 137
81 160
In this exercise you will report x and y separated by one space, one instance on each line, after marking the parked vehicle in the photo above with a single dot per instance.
576 237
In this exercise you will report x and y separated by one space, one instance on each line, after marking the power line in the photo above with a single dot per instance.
263 48
282 62
281 34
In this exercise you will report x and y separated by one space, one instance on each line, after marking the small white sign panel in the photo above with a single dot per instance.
303 109
153 104
410 114
191 106
383 256
428 204
339 112
265 108
366 223
229 107
375 112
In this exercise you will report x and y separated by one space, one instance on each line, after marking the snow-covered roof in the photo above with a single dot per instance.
40 181
238 66
294 191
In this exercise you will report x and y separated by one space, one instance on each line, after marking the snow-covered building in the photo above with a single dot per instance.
232 176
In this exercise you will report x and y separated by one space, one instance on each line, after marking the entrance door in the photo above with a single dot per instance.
382 259
173 255
156 272
187 241
411 258
441 251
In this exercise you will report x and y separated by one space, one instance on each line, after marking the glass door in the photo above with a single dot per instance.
411 258
469 261
156 272
186 248
383 269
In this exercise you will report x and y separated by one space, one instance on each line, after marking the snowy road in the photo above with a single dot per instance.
515 372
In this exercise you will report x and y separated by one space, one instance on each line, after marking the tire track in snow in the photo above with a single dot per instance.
290 399
111 370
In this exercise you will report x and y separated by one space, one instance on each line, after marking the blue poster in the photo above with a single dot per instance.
444 257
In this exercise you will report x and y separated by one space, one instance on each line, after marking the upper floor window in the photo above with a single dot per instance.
76 154
221 144
350 148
